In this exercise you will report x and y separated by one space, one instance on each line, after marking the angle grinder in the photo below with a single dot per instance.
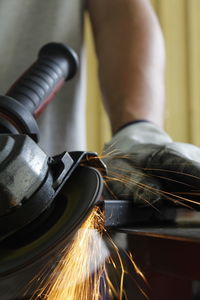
43 200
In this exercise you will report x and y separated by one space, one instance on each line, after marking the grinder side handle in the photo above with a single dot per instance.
39 84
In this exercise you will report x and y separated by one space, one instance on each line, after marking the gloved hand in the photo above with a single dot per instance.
156 172
125 180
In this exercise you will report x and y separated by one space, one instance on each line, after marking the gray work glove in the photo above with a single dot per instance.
154 173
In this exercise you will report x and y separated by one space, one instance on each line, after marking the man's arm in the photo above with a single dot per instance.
130 51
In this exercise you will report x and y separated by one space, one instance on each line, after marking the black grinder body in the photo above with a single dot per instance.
43 200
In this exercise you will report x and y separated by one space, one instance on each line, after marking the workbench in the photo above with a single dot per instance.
169 257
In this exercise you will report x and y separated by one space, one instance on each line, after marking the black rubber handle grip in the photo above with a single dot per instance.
39 84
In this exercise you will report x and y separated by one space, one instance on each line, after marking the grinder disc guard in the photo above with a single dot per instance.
20 263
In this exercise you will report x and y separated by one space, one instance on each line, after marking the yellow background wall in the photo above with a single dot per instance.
180 21
98 129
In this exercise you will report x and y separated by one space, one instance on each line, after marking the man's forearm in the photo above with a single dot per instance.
130 52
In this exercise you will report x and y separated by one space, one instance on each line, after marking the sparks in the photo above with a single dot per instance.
78 274
81 273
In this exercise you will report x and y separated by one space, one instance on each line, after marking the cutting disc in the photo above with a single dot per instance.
21 260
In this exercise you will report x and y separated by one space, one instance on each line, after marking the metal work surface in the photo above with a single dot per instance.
167 256
173 233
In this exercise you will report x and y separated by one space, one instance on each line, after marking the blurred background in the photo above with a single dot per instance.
180 21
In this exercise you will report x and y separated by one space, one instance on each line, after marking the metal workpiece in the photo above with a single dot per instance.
23 167
124 213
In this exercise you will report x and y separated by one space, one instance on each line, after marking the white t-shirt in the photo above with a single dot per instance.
25 26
